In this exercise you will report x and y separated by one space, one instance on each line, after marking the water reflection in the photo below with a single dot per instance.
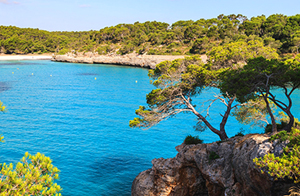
4 86
87 74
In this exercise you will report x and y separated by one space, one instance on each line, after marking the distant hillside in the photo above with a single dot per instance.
277 32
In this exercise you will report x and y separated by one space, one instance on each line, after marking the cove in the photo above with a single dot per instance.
78 114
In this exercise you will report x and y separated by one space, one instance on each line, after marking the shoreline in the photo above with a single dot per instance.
144 61
24 57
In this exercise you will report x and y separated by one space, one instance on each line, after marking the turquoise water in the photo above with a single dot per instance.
79 114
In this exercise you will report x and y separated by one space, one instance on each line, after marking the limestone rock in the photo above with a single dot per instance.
193 172
146 61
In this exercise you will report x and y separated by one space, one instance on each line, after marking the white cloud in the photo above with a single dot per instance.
7 2
4 1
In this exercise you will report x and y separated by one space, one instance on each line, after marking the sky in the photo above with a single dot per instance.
84 15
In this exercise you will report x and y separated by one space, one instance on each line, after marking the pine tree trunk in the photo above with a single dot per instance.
289 126
274 125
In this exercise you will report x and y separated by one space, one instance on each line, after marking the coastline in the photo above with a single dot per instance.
193 171
24 57
145 61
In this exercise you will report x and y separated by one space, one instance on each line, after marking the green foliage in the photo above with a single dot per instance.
153 52
258 77
240 133
63 51
253 112
253 26
33 175
271 42
268 128
274 25
213 156
282 136
192 140
284 119
126 49
200 46
276 31
102 50
288 164
235 53
176 83
293 137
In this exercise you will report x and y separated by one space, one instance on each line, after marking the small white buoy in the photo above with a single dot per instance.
32 74
50 75
12 72
95 78
17 68
136 81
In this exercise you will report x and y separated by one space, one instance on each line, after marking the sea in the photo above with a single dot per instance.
78 115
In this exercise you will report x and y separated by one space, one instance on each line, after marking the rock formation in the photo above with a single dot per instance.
216 169
146 61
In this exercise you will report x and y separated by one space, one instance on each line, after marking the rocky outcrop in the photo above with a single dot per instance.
195 171
146 61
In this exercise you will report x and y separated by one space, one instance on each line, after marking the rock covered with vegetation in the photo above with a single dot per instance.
219 168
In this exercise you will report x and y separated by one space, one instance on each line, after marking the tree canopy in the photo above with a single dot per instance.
182 37
258 77
34 175
176 83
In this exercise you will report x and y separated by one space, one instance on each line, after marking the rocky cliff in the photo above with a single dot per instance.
146 61
219 168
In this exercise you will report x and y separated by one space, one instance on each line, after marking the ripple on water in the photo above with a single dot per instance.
82 123
4 86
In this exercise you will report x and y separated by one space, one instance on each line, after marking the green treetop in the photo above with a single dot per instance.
33 175
257 78
176 83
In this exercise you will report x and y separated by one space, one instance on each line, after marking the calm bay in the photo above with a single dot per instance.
78 114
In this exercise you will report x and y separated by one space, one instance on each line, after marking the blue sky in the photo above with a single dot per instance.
79 15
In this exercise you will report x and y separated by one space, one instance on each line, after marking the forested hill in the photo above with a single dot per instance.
229 34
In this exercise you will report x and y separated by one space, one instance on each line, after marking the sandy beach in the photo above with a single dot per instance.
24 57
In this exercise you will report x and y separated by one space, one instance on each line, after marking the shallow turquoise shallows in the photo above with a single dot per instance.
78 115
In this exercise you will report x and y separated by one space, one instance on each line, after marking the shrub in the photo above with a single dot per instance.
213 155
192 140
126 49
63 51
34 175
287 165
153 52
172 45
282 136
268 128
177 52
240 133
293 137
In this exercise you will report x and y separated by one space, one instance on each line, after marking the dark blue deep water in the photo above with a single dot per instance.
78 115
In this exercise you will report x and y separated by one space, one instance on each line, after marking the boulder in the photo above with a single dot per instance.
195 171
